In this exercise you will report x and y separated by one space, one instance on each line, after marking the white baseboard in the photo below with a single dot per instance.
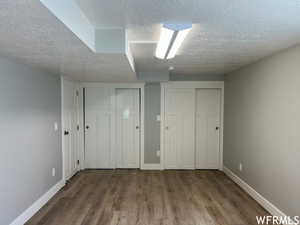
37 205
151 167
272 209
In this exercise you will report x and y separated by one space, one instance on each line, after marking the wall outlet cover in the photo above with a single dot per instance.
56 126
53 172
241 167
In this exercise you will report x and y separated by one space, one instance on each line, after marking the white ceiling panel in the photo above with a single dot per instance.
227 34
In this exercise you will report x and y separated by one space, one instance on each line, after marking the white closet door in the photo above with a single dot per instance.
127 128
208 112
180 129
98 128
70 103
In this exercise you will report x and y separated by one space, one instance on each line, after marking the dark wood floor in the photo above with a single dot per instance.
129 197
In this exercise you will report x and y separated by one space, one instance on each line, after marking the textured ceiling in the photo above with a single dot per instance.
30 34
227 34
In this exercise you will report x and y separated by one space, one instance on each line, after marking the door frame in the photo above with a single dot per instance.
141 87
78 113
192 85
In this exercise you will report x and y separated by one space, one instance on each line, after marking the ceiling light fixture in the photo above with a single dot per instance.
171 38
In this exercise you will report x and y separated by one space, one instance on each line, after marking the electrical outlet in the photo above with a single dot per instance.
53 172
158 153
241 167
56 126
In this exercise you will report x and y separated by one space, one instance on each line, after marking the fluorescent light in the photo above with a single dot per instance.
164 42
171 38
177 42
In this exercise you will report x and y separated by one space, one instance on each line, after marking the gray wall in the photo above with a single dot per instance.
153 76
152 126
262 120
30 148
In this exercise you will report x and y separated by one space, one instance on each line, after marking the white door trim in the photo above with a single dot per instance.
115 86
81 127
78 142
142 118
162 126
192 85
62 128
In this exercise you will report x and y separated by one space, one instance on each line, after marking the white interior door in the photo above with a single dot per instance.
180 128
208 112
128 128
70 110
99 115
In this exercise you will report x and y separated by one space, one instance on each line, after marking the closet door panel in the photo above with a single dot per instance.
128 127
188 145
98 121
172 142
208 113
180 129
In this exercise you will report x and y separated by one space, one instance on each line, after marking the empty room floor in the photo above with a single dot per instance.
129 197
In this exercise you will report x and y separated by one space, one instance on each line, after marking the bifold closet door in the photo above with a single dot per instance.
208 113
180 128
127 128
99 127
70 103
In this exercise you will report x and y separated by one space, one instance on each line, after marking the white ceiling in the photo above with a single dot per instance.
227 34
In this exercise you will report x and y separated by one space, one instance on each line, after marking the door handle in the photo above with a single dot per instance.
66 132
137 127
167 128
217 128
87 127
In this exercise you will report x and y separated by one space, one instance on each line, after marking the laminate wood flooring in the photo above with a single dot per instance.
134 197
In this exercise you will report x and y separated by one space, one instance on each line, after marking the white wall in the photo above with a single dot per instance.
30 148
262 121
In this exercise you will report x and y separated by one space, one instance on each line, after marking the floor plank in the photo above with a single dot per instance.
134 197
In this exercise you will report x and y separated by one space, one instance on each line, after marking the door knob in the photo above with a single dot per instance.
87 127
137 127
66 132
167 128
217 128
